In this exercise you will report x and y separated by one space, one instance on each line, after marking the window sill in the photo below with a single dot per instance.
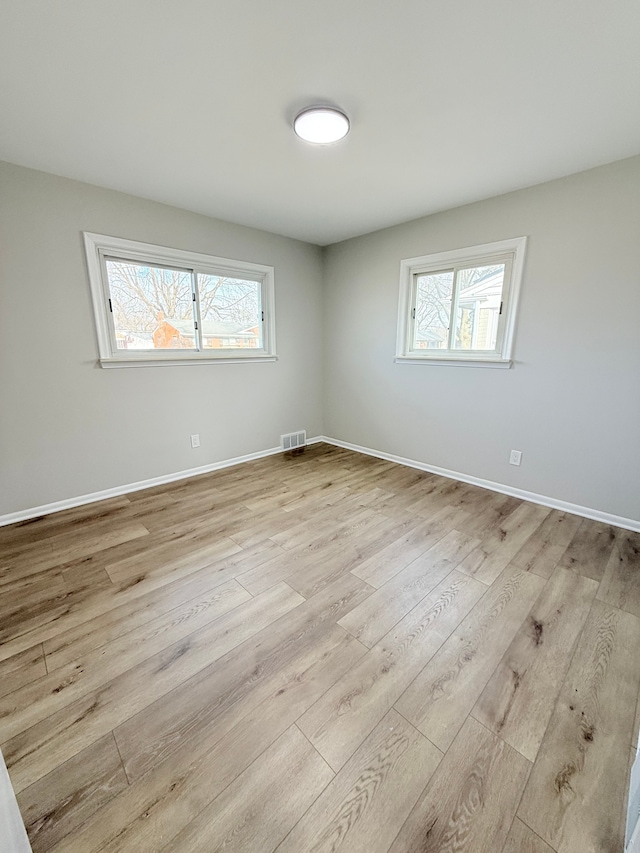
499 363
175 362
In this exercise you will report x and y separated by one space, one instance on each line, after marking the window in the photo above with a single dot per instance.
460 307
155 305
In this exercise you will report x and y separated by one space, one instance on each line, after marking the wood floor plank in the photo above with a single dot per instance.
134 704
377 614
80 546
471 800
74 642
438 701
177 559
354 706
328 523
575 796
21 669
521 839
157 806
28 624
544 549
487 561
33 753
285 564
83 605
41 527
192 622
260 807
518 701
621 581
362 537
235 684
398 554
63 800
495 511
363 808
18 597
589 551
442 493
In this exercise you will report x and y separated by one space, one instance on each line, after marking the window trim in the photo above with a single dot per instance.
410 267
99 246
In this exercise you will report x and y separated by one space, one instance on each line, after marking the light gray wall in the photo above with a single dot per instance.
572 401
68 427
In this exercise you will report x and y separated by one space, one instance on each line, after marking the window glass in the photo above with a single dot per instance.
152 306
433 310
231 312
479 301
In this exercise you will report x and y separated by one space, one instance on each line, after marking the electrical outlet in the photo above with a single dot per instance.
195 440
515 457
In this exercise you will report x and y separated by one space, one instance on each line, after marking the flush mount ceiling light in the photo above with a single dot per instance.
321 125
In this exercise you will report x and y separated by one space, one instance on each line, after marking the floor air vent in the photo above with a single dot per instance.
293 440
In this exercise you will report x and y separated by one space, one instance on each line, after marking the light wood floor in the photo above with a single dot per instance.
319 652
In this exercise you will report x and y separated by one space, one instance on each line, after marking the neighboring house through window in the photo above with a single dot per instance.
155 305
459 307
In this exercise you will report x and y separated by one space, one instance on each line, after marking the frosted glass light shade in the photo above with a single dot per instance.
321 125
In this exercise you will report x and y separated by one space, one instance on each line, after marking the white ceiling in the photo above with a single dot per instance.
190 102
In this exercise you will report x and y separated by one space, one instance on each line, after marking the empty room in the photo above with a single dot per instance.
319 426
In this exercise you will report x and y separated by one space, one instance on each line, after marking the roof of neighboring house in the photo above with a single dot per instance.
212 329
487 287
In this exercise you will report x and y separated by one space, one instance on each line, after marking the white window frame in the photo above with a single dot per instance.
512 252
100 246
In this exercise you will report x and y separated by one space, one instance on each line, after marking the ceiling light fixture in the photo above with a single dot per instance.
321 125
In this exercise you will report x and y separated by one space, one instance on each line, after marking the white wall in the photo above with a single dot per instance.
572 401
68 427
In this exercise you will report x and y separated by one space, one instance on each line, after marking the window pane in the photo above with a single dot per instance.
231 312
152 306
433 310
480 295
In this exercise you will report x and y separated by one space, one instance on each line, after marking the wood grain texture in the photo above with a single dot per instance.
521 839
363 808
348 712
62 801
470 802
22 669
104 628
36 751
377 614
589 551
388 561
575 796
180 668
439 699
257 810
34 702
156 807
494 554
544 549
621 580
518 701
235 684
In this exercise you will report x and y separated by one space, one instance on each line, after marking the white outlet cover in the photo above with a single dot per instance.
515 457
195 440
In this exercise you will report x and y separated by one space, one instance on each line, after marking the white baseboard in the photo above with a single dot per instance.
117 491
565 506
544 500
